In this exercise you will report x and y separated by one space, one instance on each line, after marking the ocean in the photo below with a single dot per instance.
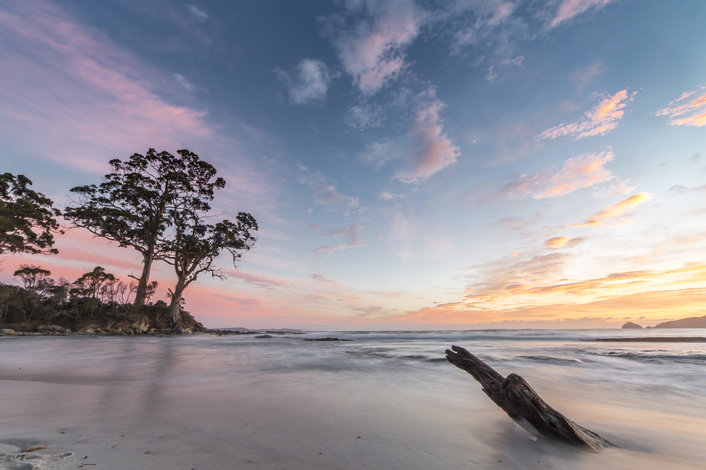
370 400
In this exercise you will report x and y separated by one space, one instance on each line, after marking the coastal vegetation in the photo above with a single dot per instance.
27 218
157 204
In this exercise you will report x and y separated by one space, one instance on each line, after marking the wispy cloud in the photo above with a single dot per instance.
569 9
583 75
390 196
325 193
687 110
257 280
514 274
363 116
378 154
432 149
602 119
507 298
577 173
104 98
613 214
196 12
493 70
323 279
183 81
351 235
372 49
477 21
308 82
557 243
681 189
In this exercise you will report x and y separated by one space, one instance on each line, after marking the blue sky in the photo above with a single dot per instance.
411 164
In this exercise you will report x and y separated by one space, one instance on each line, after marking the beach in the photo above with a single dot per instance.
379 400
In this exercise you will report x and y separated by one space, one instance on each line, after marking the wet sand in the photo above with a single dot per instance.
214 403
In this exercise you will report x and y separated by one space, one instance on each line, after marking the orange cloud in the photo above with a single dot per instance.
577 173
556 243
650 296
602 119
615 211
685 111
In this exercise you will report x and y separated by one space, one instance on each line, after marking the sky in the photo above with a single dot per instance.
411 164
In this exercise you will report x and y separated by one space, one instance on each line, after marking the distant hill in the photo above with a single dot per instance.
631 325
691 322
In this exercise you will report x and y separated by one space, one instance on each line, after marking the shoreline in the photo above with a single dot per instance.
56 330
654 339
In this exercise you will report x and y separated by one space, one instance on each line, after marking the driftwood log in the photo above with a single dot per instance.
514 395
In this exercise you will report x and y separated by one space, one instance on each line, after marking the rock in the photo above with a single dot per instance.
263 336
328 338
49 329
631 325
8 332
691 322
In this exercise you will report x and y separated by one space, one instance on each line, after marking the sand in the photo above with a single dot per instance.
189 403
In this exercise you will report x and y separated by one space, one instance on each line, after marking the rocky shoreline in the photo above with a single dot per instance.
136 329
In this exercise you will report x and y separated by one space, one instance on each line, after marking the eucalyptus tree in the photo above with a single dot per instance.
93 283
33 277
27 218
132 203
197 244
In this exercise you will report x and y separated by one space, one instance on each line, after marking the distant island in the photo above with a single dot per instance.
691 322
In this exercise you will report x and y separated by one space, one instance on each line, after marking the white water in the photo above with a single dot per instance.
382 400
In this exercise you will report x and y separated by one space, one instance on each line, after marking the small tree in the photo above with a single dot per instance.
27 218
32 277
93 283
197 245
35 281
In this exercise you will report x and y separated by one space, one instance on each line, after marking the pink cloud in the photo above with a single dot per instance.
577 173
612 213
687 111
326 193
373 52
432 148
257 280
602 119
569 9
352 236
63 79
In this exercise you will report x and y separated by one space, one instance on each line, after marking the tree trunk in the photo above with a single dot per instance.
142 283
514 395
175 305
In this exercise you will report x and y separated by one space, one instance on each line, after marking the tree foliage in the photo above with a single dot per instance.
32 276
93 283
96 300
197 245
27 218
157 204
132 204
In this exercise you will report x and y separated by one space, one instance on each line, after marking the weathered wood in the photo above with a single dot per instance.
514 395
